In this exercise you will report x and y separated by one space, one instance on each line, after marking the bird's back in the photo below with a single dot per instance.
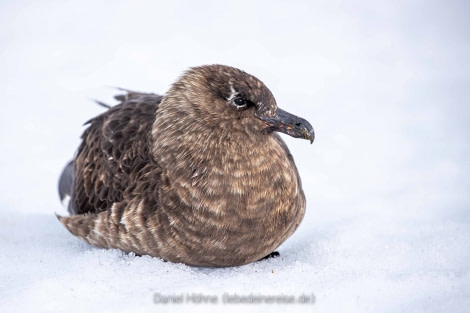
114 147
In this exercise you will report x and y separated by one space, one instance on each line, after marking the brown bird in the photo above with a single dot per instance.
197 176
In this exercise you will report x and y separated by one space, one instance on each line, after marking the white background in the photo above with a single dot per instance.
386 85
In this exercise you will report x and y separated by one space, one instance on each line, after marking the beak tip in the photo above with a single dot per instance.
311 136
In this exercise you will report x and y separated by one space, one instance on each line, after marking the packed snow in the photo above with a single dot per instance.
386 86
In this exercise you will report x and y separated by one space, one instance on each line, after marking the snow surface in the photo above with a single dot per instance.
385 84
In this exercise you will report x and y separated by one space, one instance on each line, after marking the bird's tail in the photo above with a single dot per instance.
66 186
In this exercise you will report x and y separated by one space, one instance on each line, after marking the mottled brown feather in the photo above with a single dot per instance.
114 147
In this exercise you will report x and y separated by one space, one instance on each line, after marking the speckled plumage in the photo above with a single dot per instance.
197 176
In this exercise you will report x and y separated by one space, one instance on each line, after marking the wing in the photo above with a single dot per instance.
114 146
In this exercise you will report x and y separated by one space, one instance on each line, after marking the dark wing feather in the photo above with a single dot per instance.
113 146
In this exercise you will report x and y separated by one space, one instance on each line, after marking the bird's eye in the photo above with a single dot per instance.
240 102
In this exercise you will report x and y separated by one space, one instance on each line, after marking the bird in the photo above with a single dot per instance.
198 176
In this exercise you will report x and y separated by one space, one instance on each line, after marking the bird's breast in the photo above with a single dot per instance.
250 184
251 206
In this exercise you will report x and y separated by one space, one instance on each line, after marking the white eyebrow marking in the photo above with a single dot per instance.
233 92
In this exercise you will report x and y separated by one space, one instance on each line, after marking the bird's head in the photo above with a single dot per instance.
225 97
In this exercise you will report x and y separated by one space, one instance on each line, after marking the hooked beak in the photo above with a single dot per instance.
289 124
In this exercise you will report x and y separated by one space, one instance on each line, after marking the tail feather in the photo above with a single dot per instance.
66 186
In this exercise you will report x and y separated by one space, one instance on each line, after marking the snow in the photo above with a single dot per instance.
385 85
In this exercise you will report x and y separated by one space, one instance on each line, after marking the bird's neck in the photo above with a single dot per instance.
197 145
